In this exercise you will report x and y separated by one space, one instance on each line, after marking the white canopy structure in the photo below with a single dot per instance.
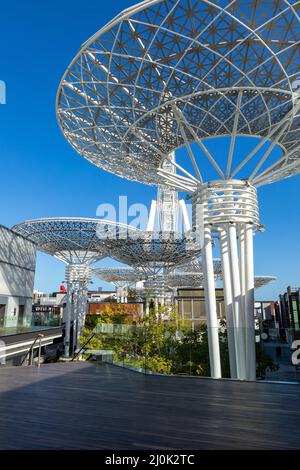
170 74
121 277
181 277
78 242
155 253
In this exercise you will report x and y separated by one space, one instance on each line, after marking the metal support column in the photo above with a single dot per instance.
237 303
211 307
249 305
68 319
228 303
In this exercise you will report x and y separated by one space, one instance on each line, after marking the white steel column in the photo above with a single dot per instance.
147 307
68 319
118 294
237 303
242 268
156 307
81 312
163 288
125 294
211 307
249 304
231 206
151 221
185 217
228 303
75 318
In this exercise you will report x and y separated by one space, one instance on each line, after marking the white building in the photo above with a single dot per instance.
17 271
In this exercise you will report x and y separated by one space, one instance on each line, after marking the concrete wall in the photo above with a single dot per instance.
17 271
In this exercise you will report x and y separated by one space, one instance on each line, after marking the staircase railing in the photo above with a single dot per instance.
29 353
83 347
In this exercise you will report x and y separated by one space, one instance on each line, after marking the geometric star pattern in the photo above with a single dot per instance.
167 73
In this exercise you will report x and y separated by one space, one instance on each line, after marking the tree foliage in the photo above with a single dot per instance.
164 343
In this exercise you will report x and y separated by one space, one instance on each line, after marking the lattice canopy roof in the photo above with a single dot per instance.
261 281
167 73
181 277
73 240
196 280
154 251
123 275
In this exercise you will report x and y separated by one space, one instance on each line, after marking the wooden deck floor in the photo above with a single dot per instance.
85 406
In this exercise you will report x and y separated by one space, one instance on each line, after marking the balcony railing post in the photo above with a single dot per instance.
29 354
39 354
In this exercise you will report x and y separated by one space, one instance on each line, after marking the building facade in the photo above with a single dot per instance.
191 305
133 311
288 312
17 271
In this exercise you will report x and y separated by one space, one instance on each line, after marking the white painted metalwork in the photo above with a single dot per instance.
153 252
166 74
167 210
190 275
122 277
119 276
78 242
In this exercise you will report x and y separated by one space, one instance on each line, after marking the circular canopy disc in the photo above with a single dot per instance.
73 240
196 280
261 281
119 275
166 73
154 251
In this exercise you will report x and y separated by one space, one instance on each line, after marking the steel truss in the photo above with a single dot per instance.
122 277
155 253
176 73
78 243
189 275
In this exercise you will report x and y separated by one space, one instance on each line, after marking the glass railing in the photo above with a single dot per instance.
281 348
47 321
174 347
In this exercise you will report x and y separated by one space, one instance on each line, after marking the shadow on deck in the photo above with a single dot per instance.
87 406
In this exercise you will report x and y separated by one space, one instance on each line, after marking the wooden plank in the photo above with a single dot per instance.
85 406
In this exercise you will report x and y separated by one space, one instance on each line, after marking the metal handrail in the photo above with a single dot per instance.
83 347
30 351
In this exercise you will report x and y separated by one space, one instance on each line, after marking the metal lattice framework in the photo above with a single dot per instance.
196 266
153 252
195 280
77 242
180 277
120 276
73 240
167 73
261 281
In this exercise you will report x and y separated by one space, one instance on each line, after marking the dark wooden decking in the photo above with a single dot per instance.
85 406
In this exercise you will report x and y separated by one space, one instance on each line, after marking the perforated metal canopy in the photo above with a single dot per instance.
119 275
154 251
73 240
196 280
261 281
167 73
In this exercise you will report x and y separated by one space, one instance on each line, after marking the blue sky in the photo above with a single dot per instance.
41 176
